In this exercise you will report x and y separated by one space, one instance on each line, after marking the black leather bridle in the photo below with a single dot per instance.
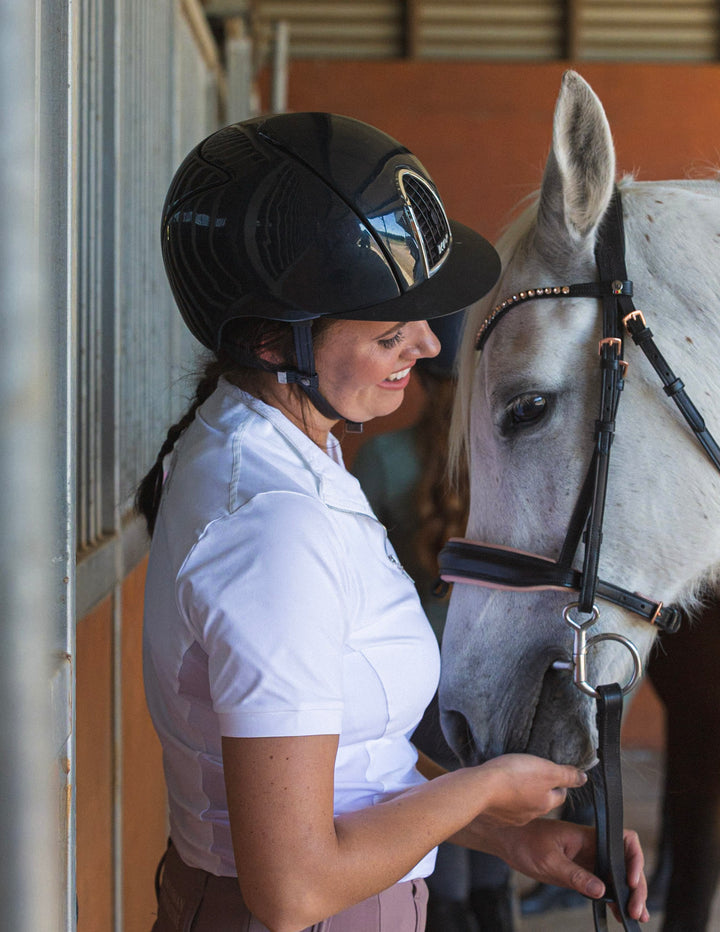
464 561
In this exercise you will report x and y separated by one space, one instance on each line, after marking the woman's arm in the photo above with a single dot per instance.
297 864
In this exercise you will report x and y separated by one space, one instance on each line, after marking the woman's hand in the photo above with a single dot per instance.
563 854
522 787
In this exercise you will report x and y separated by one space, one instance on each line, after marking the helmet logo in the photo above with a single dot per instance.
428 217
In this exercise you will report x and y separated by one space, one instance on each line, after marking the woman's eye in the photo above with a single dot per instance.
526 409
392 341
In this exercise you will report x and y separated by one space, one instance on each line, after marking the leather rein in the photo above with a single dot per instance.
468 561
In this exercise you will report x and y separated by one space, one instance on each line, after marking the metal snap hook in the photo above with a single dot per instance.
580 625
581 645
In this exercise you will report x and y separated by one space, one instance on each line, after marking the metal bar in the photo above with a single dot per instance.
30 516
281 46
239 58
113 238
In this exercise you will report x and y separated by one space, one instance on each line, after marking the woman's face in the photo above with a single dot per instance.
364 366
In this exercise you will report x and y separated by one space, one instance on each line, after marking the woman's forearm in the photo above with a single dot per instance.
297 864
367 852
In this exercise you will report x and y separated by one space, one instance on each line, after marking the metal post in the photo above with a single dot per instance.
281 46
239 64
34 804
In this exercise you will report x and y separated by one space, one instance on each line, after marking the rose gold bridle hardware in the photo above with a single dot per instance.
617 344
654 618
634 315
610 341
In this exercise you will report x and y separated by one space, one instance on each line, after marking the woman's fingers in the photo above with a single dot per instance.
635 863
634 858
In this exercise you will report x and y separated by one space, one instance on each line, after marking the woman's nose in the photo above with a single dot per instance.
424 343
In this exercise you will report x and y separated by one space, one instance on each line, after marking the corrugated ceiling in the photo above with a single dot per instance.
627 30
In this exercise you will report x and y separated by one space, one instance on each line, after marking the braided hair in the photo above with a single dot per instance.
147 497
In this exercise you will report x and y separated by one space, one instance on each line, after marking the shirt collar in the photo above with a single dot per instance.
336 486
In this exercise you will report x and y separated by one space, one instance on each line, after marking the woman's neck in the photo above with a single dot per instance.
298 409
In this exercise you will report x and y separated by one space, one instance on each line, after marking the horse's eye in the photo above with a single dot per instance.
526 409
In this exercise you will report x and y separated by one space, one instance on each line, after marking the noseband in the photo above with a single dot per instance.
467 561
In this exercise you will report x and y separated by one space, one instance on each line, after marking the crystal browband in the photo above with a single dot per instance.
583 290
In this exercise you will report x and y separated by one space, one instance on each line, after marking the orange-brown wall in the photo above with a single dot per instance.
94 741
483 131
143 829
144 822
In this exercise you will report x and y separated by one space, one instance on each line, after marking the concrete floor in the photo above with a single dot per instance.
642 778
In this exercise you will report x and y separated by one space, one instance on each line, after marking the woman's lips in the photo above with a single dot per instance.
398 379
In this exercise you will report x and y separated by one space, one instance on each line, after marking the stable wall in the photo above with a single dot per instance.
483 132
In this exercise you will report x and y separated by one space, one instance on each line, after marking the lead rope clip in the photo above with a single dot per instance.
582 644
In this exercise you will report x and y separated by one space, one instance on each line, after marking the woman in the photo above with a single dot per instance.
287 659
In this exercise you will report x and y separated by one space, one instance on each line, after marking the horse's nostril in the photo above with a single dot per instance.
459 736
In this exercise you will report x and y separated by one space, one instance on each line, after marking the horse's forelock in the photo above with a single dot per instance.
512 241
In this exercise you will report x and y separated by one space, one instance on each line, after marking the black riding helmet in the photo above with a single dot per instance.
305 215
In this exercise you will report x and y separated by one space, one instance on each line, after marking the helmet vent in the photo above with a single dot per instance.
429 219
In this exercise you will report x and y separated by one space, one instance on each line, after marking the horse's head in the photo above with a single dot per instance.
526 410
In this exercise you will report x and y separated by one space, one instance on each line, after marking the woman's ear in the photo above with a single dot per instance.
269 354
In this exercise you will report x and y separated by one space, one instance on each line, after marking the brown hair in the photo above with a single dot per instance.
442 504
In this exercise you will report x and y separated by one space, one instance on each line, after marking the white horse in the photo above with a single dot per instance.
525 413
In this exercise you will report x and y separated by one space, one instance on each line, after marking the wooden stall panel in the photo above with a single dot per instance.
145 828
94 770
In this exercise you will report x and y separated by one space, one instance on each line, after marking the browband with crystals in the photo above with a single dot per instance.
583 290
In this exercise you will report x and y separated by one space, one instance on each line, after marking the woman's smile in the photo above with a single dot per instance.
398 379
365 366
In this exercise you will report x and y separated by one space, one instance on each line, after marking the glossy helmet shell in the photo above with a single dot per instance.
302 215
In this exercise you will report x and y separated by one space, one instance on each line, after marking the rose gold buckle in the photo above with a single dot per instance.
634 315
610 341
653 620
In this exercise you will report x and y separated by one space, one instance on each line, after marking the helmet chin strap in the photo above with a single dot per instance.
306 377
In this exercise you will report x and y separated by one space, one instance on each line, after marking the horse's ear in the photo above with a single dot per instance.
580 171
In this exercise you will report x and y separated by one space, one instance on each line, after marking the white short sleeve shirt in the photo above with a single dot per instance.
275 605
